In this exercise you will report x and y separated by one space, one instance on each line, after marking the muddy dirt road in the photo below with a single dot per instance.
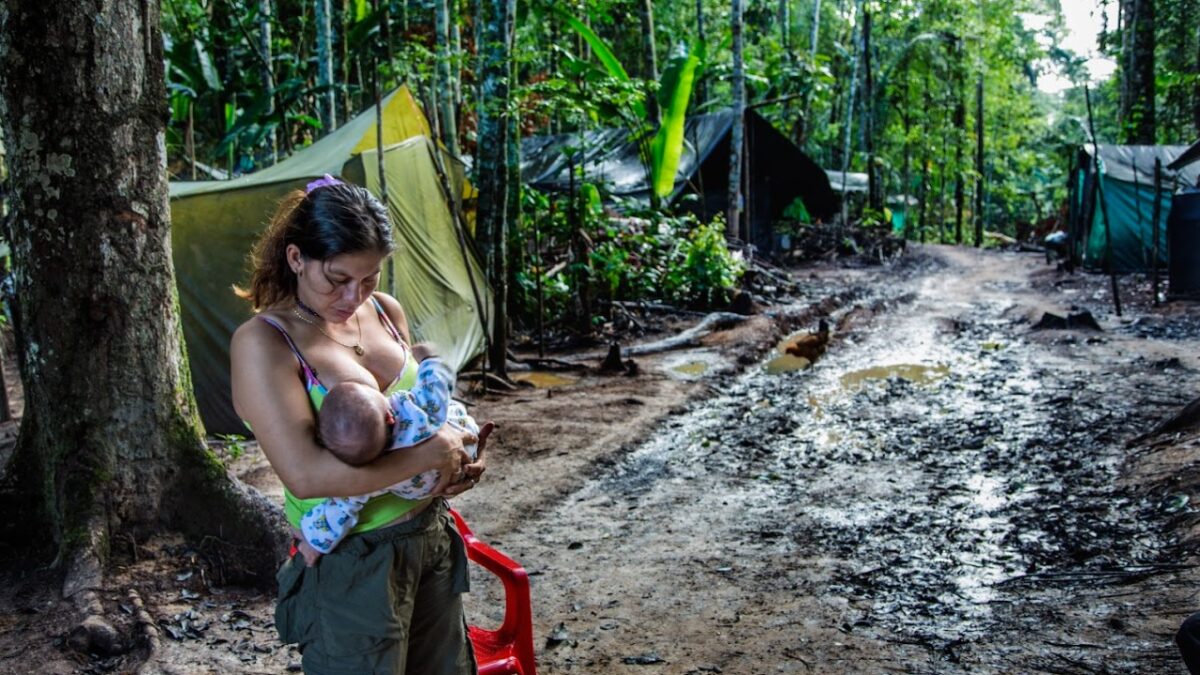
946 490
942 492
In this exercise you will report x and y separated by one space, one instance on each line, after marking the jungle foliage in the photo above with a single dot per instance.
937 100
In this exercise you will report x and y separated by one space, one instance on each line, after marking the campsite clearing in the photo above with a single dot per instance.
945 490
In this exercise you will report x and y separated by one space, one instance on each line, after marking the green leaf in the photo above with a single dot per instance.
601 50
361 9
207 69
306 119
667 146
363 30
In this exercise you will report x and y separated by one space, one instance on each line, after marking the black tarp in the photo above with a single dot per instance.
776 171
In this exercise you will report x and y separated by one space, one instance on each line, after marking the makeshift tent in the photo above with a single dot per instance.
776 171
214 225
1192 154
1126 180
848 181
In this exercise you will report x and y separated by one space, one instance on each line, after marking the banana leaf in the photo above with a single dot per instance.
674 91
207 69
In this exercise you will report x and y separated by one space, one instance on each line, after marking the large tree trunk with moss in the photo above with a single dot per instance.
110 445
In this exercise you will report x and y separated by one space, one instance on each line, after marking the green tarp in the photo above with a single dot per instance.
1127 186
215 223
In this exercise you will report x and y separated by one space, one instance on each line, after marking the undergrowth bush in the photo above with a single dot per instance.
643 256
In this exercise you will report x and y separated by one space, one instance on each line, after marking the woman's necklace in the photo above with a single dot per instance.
357 347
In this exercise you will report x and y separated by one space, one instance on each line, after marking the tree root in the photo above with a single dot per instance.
239 531
149 634
688 338
85 575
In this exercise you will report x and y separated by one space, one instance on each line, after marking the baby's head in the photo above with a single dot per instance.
353 422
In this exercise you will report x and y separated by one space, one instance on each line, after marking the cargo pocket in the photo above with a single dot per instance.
293 619
458 556
357 603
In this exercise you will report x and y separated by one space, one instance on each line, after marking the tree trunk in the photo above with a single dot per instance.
874 184
1138 85
800 129
737 137
702 88
110 444
923 188
1195 85
265 76
854 58
785 28
960 137
649 58
445 82
457 49
491 173
979 161
906 166
512 192
326 99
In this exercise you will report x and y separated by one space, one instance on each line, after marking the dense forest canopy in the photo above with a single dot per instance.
862 85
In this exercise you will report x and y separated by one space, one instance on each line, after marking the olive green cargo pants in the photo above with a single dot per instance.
384 602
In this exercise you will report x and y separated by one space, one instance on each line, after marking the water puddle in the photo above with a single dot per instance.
693 368
786 363
915 373
695 364
544 380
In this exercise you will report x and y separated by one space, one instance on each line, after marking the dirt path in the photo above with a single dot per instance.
946 490
938 494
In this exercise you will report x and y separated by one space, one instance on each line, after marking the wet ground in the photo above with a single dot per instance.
941 492
946 490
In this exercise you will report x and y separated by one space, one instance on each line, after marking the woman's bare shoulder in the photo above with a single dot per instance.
390 305
394 311
256 338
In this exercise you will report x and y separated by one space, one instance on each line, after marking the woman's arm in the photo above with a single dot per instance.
268 394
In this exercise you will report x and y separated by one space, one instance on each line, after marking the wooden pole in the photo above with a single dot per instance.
1157 211
1108 254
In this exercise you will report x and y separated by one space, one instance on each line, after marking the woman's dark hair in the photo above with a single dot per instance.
326 222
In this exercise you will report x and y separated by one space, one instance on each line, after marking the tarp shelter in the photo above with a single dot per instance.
214 225
776 171
848 181
1192 154
1126 179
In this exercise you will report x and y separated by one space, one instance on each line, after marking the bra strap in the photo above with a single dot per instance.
387 321
310 375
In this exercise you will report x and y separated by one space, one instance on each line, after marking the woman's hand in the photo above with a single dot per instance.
469 474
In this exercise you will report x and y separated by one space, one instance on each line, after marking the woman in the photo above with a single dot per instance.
388 599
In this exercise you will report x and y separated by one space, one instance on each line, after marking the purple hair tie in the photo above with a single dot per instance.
320 183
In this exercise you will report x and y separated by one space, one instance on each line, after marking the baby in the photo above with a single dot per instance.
357 423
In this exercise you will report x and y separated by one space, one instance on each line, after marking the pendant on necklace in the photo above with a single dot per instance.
359 350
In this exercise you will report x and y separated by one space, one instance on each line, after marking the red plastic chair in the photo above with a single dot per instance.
509 649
